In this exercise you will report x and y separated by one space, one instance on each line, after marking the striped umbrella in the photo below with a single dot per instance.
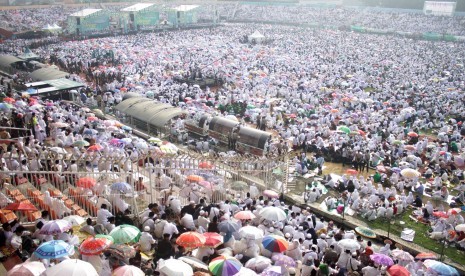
275 243
53 250
224 266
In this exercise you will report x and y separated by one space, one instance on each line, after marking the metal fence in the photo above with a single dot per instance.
151 179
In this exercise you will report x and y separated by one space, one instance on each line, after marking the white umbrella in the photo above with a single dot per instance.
251 232
58 150
55 227
273 213
258 264
128 270
245 272
460 227
71 267
401 255
349 244
195 263
409 173
75 220
27 269
173 267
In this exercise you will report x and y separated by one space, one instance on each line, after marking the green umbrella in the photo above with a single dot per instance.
397 142
344 129
250 106
239 185
81 143
110 238
125 234
365 232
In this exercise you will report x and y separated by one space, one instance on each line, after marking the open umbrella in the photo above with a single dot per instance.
351 172
121 251
191 239
194 263
244 271
71 267
281 259
175 267
53 250
381 259
154 140
75 220
426 256
412 134
110 238
440 214
86 182
365 232
344 129
59 124
125 233
55 227
270 194
460 227
212 239
128 270
206 165
121 187
27 269
397 270
275 243
9 100
401 255
441 268
273 214
258 264
274 271
20 206
58 150
244 215
81 143
195 178
228 226
409 173
206 184
349 244
94 246
224 266
251 232
95 148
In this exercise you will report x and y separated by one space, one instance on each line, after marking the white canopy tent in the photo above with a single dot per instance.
257 36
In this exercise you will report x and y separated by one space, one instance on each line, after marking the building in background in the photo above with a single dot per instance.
88 21
142 16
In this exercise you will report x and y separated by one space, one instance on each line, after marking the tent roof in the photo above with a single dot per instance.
47 74
28 56
85 12
126 104
137 7
7 60
257 34
164 116
185 8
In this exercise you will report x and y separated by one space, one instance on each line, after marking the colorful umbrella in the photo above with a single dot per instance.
344 129
71 267
281 259
115 142
86 182
381 259
409 173
454 211
5 106
9 100
273 214
351 172
190 239
128 270
125 234
258 264
440 214
110 238
154 140
365 232
95 148
53 250
195 178
94 246
212 239
224 266
274 271
27 269
92 118
412 134
275 243
75 220
206 184
228 226
175 267
121 186
270 194
206 165
441 268
426 256
21 206
81 143
55 227
397 270
244 215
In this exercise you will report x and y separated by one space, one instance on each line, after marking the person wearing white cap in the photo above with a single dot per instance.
202 220
299 233
146 240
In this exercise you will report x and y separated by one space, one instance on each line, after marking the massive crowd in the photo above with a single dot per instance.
367 101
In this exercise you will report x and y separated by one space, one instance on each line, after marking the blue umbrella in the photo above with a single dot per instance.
126 128
229 227
53 249
89 131
121 186
31 91
441 268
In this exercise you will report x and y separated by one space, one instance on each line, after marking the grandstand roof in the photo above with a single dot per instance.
85 12
7 60
185 8
137 7
44 74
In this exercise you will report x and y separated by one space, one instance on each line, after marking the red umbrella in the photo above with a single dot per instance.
9 100
412 134
86 182
454 211
94 246
206 165
362 132
351 172
381 168
440 214
212 239
21 206
190 240
244 215
195 178
95 148
426 256
92 118
397 270
409 147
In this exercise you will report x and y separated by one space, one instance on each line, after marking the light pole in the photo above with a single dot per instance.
443 248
